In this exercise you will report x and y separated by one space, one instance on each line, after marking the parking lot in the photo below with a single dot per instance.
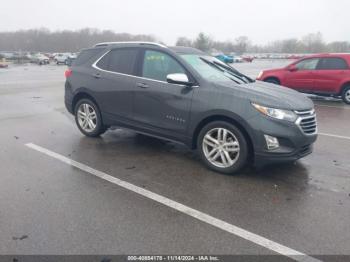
126 193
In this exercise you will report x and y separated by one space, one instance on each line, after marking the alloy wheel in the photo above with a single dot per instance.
347 95
221 147
87 117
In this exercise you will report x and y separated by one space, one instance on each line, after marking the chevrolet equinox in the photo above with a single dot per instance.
184 95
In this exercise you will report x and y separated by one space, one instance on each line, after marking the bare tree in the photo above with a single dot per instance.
313 43
44 40
183 41
290 46
60 41
242 43
226 47
203 42
338 47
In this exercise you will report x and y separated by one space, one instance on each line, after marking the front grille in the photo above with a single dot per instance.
307 121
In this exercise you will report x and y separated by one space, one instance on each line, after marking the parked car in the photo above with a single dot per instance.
294 56
3 65
184 95
322 74
248 59
225 58
61 58
237 59
39 59
70 59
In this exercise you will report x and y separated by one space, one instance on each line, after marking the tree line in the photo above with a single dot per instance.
311 43
44 40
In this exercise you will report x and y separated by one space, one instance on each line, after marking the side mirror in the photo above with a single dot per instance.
292 68
180 79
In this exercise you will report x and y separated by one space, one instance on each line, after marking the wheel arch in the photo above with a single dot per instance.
343 86
81 95
237 121
272 77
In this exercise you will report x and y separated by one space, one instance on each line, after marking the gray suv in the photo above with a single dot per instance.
184 95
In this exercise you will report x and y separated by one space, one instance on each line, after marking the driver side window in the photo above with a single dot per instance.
157 65
307 64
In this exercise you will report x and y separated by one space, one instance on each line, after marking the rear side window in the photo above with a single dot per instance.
332 63
85 55
119 61
307 64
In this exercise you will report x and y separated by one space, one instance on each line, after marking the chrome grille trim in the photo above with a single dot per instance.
307 122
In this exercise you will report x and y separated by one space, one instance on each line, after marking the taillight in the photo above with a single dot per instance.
68 73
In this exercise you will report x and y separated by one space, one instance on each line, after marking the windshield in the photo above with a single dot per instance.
212 69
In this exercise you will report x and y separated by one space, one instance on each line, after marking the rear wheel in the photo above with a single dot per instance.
222 147
273 81
88 118
346 94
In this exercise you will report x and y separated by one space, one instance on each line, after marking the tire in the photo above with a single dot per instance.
272 81
346 94
94 126
236 152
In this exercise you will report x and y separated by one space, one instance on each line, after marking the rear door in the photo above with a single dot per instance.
115 82
330 74
159 105
302 79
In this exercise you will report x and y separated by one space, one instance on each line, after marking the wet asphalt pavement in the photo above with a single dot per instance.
48 207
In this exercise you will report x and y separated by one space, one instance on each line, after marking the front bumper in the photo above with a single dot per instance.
263 159
294 143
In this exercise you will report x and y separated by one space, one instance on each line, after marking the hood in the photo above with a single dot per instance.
273 70
271 95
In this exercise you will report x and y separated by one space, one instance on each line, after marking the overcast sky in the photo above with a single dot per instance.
261 20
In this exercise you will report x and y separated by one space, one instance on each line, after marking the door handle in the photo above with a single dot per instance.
142 85
97 75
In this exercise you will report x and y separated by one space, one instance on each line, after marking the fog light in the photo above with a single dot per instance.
271 142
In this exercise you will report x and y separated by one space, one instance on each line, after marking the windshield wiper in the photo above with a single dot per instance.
235 72
218 67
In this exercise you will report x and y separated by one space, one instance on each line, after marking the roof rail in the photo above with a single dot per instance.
133 42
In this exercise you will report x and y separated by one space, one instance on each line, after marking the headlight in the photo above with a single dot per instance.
260 74
276 113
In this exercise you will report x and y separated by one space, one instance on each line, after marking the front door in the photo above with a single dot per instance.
159 105
302 79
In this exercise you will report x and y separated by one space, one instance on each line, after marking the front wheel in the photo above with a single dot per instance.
346 95
88 118
222 147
